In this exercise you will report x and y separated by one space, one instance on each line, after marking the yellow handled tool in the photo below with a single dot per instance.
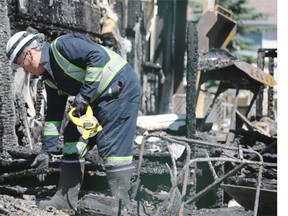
87 124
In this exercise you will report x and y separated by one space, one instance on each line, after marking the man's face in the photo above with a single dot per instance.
21 60
29 61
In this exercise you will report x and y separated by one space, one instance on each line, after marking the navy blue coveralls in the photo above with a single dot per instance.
77 64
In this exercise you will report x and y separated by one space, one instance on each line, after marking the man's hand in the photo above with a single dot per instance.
41 161
80 102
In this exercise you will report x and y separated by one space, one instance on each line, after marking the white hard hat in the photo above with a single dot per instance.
17 42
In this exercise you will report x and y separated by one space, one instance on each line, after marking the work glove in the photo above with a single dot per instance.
80 102
41 161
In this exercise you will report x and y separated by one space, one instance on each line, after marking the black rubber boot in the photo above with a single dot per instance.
70 180
119 180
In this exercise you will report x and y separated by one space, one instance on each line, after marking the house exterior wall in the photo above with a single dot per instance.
268 7
269 39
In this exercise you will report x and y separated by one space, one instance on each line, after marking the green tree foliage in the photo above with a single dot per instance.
197 8
240 45
242 14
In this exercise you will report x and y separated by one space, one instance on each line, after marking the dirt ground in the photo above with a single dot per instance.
26 206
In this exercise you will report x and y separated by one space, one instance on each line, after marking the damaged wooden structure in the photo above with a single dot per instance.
179 167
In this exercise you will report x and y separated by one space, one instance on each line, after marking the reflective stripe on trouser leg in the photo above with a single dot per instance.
73 142
117 161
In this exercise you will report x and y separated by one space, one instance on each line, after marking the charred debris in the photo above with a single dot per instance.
184 161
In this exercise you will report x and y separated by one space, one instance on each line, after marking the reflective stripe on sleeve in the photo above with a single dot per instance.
91 74
52 128
71 70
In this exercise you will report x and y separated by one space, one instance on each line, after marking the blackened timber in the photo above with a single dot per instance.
271 90
180 43
7 114
192 67
191 94
259 100
17 190
24 173
80 16
270 54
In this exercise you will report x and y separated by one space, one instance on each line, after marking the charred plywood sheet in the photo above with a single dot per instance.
219 64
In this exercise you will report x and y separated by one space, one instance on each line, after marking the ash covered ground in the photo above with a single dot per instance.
26 205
